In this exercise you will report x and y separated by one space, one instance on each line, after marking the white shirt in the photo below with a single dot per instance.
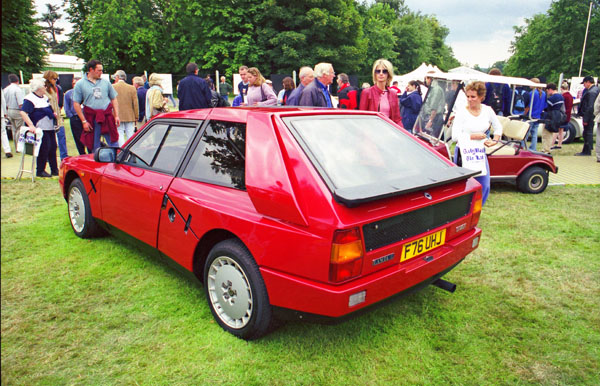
466 124
14 96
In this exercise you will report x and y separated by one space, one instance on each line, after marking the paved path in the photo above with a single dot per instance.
575 170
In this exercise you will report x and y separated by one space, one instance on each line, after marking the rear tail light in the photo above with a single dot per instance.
477 204
346 255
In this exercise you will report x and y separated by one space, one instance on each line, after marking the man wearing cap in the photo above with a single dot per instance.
100 114
193 91
586 110
128 106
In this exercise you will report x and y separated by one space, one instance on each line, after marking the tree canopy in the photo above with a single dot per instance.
21 38
277 36
50 28
551 43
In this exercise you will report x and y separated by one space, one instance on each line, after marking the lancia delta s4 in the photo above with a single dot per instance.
317 212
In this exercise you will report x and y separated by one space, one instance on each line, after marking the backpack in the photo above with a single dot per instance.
519 102
216 100
496 98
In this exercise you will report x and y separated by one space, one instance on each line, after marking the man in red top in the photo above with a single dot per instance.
348 97
564 88
394 86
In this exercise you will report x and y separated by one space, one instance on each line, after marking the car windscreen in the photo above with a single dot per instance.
442 97
364 157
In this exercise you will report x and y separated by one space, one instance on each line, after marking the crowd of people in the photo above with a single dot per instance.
98 109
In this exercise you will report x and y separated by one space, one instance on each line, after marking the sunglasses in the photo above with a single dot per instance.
384 71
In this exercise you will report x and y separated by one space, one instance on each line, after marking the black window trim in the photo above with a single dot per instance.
192 149
197 124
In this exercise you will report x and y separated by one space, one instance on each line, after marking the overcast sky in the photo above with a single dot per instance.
480 31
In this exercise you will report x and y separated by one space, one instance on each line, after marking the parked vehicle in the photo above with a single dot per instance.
509 161
282 211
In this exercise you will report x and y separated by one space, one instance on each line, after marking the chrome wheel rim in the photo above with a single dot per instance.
76 210
230 292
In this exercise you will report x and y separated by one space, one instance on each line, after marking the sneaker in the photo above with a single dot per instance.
582 154
43 175
54 173
556 147
9 155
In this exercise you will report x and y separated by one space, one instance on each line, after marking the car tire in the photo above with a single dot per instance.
235 291
80 214
533 180
569 134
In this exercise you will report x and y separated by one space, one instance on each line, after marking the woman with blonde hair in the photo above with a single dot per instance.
259 93
468 130
156 102
51 78
380 97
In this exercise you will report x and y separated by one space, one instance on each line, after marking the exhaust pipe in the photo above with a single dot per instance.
445 285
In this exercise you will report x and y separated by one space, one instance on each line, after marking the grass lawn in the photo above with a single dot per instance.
526 310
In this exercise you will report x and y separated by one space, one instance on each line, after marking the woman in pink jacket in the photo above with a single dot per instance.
381 97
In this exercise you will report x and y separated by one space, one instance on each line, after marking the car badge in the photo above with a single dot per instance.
427 196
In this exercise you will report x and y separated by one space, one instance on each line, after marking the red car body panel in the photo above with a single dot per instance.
286 217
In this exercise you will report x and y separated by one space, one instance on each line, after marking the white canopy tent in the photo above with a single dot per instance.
466 70
64 61
417 74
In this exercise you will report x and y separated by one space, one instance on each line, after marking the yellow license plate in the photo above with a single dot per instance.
422 245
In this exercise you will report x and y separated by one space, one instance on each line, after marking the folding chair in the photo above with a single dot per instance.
27 146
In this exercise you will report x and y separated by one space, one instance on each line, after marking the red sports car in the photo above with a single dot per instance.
320 212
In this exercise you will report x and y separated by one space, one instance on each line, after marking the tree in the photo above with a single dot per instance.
404 37
551 43
295 33
52 31
21 38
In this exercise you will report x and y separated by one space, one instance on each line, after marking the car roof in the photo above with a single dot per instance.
240 114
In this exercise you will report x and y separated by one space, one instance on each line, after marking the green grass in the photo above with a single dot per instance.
526 310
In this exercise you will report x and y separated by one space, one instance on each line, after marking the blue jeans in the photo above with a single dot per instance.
97 130
533 134
483 180
61 138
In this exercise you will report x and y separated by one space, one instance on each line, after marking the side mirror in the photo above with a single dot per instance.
106 154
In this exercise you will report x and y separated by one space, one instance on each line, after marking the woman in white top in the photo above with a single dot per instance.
469 130
259 92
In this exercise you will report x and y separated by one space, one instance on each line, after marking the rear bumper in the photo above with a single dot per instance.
306 296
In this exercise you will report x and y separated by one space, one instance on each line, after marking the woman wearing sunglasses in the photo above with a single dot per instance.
381 97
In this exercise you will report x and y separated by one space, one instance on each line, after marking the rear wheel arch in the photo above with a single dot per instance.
205 245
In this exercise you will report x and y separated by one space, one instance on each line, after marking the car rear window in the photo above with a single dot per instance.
362 157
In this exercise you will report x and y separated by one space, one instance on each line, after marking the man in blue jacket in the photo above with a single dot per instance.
193 92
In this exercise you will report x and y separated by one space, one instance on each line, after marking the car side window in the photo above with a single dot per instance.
161 147
220 156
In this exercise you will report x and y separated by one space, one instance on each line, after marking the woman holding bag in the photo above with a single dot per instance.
259 92
469 130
